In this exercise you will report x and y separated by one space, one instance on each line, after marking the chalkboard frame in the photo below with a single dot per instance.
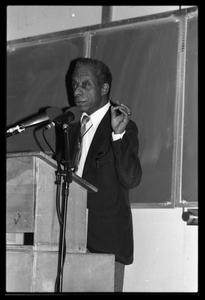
86 30
179 16
186 52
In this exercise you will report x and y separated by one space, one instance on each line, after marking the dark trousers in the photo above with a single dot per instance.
119 275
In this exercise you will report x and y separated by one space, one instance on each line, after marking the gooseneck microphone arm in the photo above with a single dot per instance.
50 114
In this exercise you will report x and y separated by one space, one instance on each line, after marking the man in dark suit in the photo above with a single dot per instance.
108 160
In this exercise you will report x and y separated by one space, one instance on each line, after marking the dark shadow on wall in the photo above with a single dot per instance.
68 83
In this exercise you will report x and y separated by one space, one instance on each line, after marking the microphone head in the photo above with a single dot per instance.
71 115
77 113
53 112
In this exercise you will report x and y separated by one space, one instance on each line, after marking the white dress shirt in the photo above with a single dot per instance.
91 128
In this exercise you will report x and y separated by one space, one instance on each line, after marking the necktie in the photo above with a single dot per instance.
83 131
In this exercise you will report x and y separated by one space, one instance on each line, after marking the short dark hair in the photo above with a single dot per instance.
101 71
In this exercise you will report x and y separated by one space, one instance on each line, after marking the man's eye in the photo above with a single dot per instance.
74 85
86 84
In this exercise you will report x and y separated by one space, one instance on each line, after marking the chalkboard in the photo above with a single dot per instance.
190 136
143 61
36 80
143 55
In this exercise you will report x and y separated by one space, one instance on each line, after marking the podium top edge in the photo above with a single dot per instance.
40 154
89 187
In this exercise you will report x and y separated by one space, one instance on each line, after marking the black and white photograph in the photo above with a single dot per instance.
101 150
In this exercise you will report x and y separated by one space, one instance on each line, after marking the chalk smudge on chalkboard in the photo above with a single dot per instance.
151 154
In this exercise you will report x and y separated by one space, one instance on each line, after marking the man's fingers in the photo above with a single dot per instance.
125 107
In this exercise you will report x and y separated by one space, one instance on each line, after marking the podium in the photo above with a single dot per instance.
31 208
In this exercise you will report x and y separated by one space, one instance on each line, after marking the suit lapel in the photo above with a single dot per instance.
100 142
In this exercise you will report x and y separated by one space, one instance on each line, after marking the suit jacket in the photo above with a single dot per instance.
114 168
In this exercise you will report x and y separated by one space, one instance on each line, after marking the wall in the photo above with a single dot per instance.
165 247
133 11
165 258
26 21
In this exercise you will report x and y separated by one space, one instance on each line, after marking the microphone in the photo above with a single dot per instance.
50 114
71 115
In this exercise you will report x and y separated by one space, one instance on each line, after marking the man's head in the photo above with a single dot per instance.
91 81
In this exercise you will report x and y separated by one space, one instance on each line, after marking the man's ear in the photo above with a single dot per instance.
104 89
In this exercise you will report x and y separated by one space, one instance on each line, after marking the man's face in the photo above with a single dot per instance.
87 92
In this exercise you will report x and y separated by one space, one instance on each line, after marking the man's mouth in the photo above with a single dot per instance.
80 101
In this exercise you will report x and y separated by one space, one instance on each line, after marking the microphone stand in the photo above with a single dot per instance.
67 174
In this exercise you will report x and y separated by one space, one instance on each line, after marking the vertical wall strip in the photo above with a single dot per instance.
179 112
107 12
87 47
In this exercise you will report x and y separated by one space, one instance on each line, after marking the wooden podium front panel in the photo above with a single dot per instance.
31 202
89 273
82 272
32 270
47 225
19 269
20 194
76 229
46 220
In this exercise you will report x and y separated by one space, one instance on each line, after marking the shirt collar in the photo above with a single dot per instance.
98 115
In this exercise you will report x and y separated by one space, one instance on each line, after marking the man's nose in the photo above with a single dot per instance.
78 91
